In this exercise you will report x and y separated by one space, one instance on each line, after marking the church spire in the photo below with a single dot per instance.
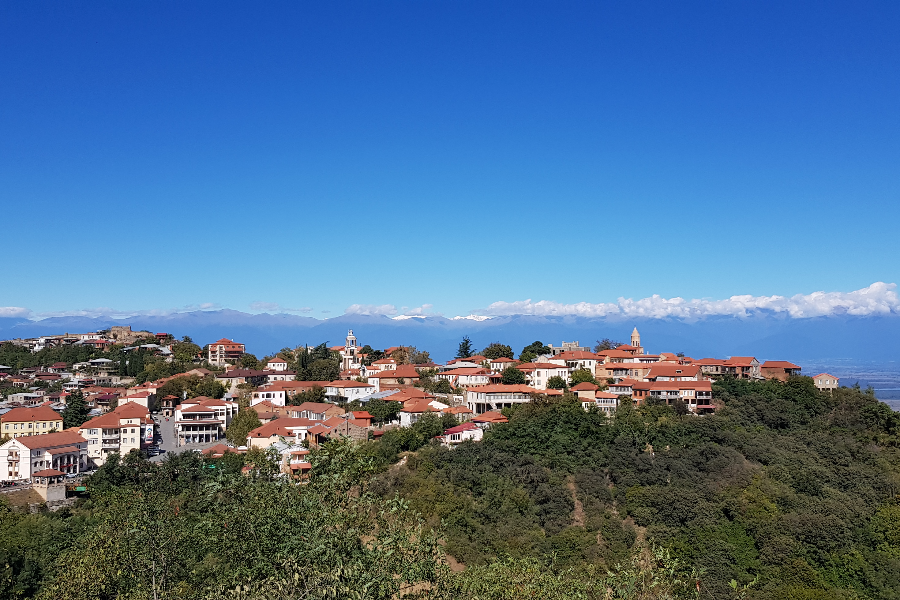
636 340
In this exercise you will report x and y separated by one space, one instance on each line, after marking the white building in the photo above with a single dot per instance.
348 391
65 451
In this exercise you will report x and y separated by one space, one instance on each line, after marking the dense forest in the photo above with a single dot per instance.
788 490
784 493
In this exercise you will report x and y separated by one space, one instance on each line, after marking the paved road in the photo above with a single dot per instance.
167 440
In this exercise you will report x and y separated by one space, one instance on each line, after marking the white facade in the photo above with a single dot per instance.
20 457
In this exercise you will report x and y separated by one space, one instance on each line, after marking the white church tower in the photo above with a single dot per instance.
349 355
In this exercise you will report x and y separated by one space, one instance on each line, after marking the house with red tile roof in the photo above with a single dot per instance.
25 421
825 382
674 372
414 409
128 427
402 376
347 391
466 376
538 373
605 401
697 395
293 430
487 419
497 365
779 369
460 433
578 359
316 410
742 367
711 366
25 457
276 364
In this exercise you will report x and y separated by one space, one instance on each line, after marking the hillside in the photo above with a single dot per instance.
785 484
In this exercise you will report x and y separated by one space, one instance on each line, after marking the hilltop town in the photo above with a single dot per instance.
64 418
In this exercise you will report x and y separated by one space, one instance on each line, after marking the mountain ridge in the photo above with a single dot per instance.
772 336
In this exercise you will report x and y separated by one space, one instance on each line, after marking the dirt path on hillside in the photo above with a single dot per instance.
578 513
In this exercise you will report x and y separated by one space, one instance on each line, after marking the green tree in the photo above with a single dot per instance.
210 388
533 350
418 357
465 348
314 394
382 410
76 411
324 369
497 350
581 376
248 361
241 425
185 352
512 375
557 383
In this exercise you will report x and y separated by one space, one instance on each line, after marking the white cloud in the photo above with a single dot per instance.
371 309
274 307
14 311
877 299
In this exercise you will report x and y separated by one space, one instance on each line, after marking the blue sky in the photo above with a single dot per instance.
320 155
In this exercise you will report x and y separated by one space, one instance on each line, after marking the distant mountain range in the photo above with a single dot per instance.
766 336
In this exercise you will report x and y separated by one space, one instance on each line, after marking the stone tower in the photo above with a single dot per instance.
636 341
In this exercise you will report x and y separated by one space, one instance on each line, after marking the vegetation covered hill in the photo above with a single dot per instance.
787 488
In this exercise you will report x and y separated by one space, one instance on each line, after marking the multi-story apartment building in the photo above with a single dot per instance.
224 352
128 427
22 457
203 419
27 421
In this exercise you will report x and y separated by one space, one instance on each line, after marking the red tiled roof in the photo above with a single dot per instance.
314 407
578 355
710 362
744 361
467 371
666 370
585 386
418 406
496 388
402 371
778 364
349 384
38 413
461 428
51 440
47 473
491 417
280 427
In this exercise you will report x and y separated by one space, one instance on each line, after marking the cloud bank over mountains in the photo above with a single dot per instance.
877 299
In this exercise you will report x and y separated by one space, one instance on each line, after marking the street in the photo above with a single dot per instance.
167 440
